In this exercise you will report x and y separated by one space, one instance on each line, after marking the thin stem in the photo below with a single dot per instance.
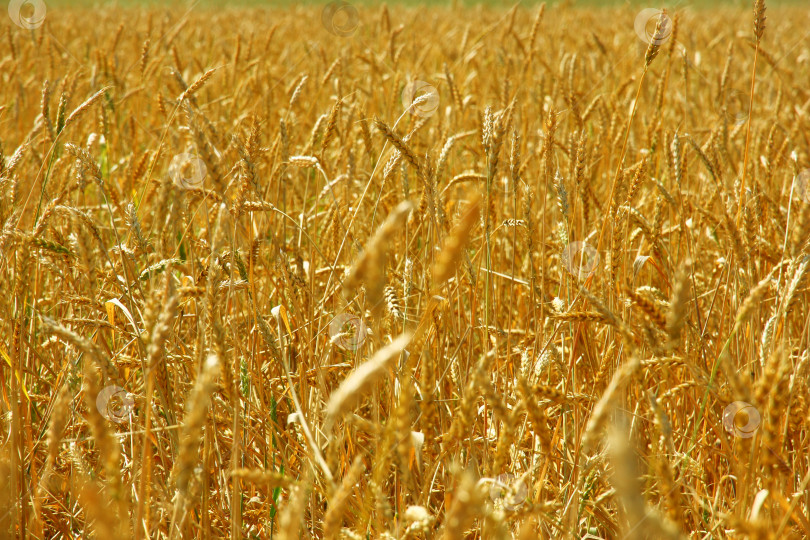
748 133
621 160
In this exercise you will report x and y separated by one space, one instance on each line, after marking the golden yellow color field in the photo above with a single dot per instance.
376 272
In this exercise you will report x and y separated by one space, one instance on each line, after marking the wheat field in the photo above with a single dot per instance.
368 271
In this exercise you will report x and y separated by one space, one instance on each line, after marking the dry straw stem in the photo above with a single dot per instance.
361 379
